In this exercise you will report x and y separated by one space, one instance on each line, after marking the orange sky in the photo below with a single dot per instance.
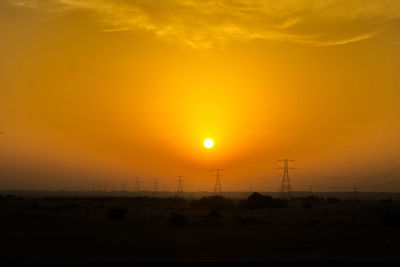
95 90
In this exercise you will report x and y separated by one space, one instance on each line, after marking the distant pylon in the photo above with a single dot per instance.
217 188
124 186
155 185
137 187
285 187
180 187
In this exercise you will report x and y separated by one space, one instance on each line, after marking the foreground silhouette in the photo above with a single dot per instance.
215 228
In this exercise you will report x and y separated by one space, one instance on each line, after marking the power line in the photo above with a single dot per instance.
388 162
363 184
385 183
375 177
318 185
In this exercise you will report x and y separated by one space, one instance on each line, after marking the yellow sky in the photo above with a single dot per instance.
106 90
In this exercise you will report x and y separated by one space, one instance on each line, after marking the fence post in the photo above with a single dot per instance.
325 216
151 215
270 216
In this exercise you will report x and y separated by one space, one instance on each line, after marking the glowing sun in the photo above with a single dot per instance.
208 143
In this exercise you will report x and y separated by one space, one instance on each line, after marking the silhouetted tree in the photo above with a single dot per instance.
214 214
314 199
177 219
213 202
332 200
258 201
386 201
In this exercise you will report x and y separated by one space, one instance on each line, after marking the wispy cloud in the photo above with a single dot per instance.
203 23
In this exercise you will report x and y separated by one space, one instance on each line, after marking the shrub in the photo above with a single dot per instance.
250 221
386 201
332 200
389 218
177 219
117 214
214 214
258 201
213 202
314 199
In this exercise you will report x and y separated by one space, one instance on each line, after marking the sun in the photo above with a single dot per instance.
208 143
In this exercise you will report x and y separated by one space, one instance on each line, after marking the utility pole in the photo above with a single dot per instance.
217 188
285 187
310 187
180 187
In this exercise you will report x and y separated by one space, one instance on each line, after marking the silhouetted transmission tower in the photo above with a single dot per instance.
218 188
137 189
155 185
285 187
180 187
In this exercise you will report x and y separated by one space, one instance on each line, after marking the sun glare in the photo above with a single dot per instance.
208 143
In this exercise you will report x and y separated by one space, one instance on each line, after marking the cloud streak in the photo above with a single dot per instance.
204 23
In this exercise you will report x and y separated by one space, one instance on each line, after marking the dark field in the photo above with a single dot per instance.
122 229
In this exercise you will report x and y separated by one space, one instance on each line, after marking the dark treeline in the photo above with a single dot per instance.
310 208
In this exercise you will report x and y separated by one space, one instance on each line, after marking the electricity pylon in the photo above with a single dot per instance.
217 188
155 185
180 187
155 188
137 187
285 187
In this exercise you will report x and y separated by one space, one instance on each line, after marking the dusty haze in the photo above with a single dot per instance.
96 91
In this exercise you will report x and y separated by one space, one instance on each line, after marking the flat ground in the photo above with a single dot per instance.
39 232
